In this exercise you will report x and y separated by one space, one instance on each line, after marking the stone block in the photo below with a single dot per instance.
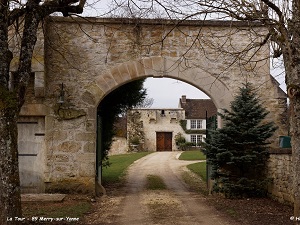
140 68
147 63
131 69
88 98
95 90
91 125
158 65
87 157
61 158
109 79
87 170
101 83
60 135
124 72
287 197
92 114
116 75
85 137
69 146
89 147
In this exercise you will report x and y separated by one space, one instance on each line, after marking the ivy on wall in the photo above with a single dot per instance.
189 131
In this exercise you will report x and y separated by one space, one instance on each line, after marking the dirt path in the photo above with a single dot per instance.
139 206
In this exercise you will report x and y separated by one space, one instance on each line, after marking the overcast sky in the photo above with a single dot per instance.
166 92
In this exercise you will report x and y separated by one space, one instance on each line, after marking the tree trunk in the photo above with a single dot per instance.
10 104
291 55
10 199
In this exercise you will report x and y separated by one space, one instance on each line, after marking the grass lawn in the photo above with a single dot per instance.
118 166
73 206
199 169
155 182
192 155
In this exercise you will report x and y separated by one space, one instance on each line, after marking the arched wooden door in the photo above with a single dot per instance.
164 141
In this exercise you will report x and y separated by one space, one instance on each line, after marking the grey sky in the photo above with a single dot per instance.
166 92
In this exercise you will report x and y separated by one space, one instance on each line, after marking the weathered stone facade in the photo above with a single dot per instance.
92 57
145 123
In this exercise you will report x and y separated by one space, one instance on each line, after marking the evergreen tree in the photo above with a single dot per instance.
238 151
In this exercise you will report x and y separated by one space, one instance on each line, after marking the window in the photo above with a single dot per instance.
196 124
196 139
199 138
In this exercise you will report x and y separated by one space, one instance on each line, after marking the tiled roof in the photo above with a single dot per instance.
196 108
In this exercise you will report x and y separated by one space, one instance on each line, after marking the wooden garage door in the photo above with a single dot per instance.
164 141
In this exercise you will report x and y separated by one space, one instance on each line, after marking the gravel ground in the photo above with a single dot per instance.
178 204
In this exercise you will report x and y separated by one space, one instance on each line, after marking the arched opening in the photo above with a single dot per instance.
167 117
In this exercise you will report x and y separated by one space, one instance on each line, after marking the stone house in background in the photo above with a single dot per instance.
156 129
197 111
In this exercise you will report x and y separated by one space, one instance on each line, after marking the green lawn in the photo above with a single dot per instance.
199 169
118 166
192 155
155 182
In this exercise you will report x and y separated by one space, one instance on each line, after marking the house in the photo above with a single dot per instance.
156 129
197 111
153 129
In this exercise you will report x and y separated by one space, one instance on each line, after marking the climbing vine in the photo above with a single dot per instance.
189 131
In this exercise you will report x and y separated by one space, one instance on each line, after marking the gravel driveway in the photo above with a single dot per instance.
139 206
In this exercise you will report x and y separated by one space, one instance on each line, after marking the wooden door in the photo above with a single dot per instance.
31 132
164 141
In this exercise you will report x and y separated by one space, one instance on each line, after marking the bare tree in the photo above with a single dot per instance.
23 18
282 20
147 103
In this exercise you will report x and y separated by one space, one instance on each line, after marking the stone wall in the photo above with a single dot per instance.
118 146
92 57
280 170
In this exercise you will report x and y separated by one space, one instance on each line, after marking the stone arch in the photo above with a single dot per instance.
160 67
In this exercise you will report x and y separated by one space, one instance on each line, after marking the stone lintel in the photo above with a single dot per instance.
34 110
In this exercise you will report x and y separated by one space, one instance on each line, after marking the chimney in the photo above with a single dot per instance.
183 99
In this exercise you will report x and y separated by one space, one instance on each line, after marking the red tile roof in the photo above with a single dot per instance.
196 108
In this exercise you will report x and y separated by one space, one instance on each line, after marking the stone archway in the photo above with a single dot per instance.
110 56
160 67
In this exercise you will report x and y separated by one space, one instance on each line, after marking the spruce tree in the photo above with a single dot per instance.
238 151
